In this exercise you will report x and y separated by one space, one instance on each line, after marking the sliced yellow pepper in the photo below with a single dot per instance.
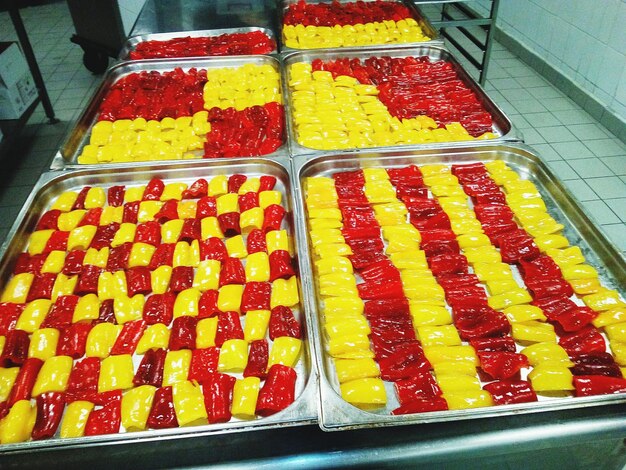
116 373
245 395
53 375
136 406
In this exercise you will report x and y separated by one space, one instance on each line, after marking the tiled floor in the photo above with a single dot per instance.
587 157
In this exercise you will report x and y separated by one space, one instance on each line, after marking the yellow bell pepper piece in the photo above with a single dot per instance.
17 288
445 335
284 292
182 255
457 382
551 378
229 298
188 403
210 227
411 259
75 419
186 303
492 271
63 285
513 297
176 368
466 399
338 285
218 185
7 379
125 234
101 339
128 309
257 322
523 313
245 395
353 369
604 300
455 368
500 287
609 317
53 375
350 346
65 201
616 332
155 336
43 343
277 240
173 191
251 219
340 326
285 351
585 286
364 393
547 353
437 354
38 241
579 271
33 315
236 247
205 332
429 314
97 257
136 406
17 425
116 373
170 231
619 353
233 356
533 331
111 214
207 275
80 237
486 254
54 262
140 254
96 197
267 198
333 265
257 267
227 203
160 279
343 307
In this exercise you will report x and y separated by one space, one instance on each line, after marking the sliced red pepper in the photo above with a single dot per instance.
248 201
191 230
421 385
118 257
380 289
74 262
88 280
15 351
585 341
203 363
153 190
256 296
83 381
232 272
502 364
41 288
267 183
24 264
105 420
131 210
168 211
207 207
79 203
518 247
273 217
486 323
218 397
283 323
421 405
25 380
106 313
49 220
61 313
281 265
544 287
183 333
257 359
115 195
148 232
129 337
235 181
150 370
92 217
104 235
138 280
228 327
589 385
503 343
198 189
50 407
159 308
256 242
396 328
9 313
207 305
163 256
542 266
73 339
448 264
595 363
162 415
229 224
507 392
213 248
182 278
407 361
386 307
278 391
358 216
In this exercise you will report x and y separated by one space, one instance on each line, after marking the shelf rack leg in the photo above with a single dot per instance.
493 14
22 35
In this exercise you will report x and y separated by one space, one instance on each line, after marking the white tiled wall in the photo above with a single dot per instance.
584 39
129 11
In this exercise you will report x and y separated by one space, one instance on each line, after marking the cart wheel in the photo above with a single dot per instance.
95 61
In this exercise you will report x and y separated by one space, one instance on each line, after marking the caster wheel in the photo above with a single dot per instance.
95 61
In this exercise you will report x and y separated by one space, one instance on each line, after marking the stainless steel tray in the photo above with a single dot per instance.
503 127
337 414
131 42
78 136
53 183
423 22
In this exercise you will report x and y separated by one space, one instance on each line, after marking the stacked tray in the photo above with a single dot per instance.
54 184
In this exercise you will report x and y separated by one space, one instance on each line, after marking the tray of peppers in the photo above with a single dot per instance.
161 301
454 285
186 109
386 99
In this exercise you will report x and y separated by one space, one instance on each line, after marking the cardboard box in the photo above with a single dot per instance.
17 87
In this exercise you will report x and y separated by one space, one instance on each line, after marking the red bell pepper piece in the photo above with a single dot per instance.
439 221
273 217
595 363
380 289
232 272
50 407
168 211
358 217
25 380
118 257
213 248
407 361
115 195
248 201
502 364
197 190
283 323
49 220
257 359
256 296
564 312
73 339
589 385
256 243
206 207
203 363
466 298
92 217
138 280
163 256
278 391
235 181
148 232
105 420
218 396
9 313
79 203
543 287
191 230
587 340
61 313
131 209
440 247
182 278
267 183
207 305
150 370
507 392
542 266
229 224
41 288
517 246
421 405
419 386
129 337
386 307
162 415
183 335
228 327
448 264
83 381
485 323
104 235
396 328
88 280
24 264
281 266
153 190
503 343
159 308
106 313
15 349
73 262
